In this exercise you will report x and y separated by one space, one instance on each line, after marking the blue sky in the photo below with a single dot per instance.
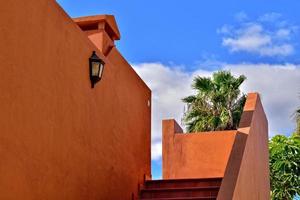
182 32
168 42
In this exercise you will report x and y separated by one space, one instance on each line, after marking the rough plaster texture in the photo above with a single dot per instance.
240 157
60 139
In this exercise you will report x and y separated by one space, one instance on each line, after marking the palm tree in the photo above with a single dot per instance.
217 104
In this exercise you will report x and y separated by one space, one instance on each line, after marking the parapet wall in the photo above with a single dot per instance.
59 138
195 155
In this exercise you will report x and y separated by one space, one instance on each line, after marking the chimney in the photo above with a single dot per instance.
102 30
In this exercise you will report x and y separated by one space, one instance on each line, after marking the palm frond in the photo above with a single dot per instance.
202 84
216 105
189 99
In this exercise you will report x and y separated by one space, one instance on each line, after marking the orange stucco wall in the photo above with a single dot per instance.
240 157
194 155
60 139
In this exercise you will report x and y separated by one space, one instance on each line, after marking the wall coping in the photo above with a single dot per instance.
100 22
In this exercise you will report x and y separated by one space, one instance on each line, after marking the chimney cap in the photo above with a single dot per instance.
109 20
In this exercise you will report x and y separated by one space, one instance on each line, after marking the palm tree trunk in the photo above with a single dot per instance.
230 115
230 119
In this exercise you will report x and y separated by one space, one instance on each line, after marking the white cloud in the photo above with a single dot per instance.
283 33
283 50
156 150
270 17
169 85
279 86
260 38
241 16
249 39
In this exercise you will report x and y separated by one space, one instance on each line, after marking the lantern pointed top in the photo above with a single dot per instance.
98 22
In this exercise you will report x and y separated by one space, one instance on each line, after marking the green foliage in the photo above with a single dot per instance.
217 105
285 166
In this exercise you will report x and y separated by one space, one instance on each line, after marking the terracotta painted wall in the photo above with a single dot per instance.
60 139
194 155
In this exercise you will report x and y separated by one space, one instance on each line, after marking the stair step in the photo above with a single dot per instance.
180 192
179 183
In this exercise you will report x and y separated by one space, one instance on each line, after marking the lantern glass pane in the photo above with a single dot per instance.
95 68
101 70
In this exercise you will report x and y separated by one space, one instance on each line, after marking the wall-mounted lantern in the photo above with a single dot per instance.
96 68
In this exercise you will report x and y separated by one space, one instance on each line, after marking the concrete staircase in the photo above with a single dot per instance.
181 189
